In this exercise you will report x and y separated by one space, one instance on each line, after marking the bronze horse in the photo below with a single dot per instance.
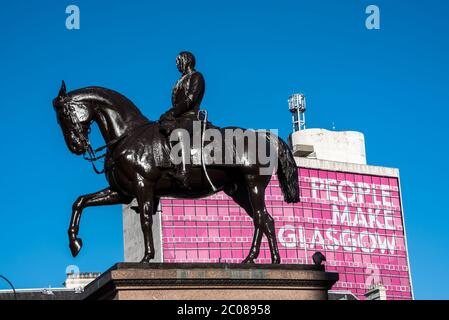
131 170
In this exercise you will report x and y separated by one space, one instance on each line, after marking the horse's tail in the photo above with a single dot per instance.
287 173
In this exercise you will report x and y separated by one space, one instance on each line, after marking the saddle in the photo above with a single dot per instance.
162 147
222 153
225 152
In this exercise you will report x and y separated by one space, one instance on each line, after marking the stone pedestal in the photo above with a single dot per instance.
198 281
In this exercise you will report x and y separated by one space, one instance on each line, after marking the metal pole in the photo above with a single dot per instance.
10 284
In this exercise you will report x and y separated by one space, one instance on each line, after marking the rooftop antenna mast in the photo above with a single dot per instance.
297 106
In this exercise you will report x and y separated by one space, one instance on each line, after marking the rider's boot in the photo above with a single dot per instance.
183 177
182 174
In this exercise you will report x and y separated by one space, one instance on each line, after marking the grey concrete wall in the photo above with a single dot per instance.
133 236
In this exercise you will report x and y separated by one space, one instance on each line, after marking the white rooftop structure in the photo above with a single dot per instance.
322 144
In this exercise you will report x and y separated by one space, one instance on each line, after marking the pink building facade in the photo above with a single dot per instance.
351 213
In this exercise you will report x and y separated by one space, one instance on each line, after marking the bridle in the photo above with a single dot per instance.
91 155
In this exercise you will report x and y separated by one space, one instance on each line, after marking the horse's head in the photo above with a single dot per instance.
74 117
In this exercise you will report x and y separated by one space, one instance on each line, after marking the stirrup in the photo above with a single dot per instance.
202 116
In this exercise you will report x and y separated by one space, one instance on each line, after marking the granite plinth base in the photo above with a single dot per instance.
198 281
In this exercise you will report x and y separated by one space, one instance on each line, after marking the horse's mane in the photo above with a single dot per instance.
105 95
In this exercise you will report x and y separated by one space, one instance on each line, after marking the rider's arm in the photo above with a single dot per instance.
168 115
195 88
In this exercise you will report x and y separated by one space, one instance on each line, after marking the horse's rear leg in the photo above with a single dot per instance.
241 196
270 232
262 219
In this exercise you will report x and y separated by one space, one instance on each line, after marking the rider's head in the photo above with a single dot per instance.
185 61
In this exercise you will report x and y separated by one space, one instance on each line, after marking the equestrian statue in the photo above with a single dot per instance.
138 158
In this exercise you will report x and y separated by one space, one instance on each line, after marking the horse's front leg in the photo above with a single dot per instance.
101 198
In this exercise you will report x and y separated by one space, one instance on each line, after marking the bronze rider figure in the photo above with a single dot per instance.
186 98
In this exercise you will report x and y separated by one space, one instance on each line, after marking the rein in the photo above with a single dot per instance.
91 153
92 157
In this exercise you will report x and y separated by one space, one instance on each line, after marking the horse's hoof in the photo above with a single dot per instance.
75 246
147 258
248 260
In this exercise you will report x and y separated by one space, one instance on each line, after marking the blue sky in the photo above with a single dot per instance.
391 84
